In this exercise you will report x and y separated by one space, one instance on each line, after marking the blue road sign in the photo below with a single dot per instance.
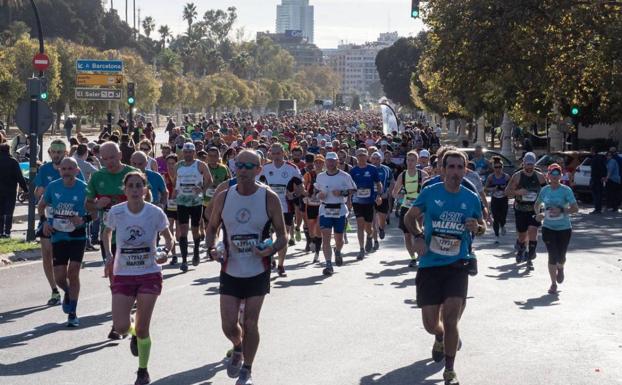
87 65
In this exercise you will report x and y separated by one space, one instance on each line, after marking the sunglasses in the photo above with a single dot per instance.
246 165
555 173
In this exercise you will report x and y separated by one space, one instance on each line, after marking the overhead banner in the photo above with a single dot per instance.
389 121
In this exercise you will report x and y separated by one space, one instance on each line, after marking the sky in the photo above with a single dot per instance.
336 21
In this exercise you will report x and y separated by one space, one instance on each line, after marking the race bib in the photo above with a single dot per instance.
531 196
332 212
210 192
136 258
63 224
313 201
553 217
244 243
363 193
498 194
171 204
186 189
278 188
445 244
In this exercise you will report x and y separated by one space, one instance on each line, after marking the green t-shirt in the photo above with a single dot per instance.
219 175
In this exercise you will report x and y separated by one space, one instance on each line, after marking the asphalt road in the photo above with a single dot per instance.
360 326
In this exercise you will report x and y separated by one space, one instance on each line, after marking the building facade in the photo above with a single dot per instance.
295 15
304 53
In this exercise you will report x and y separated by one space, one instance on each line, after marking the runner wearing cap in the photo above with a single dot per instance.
335 188
381 210
424 159
193 179
312 205
368 189
524 187
559 202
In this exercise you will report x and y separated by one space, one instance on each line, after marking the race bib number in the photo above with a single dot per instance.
63 224
332 212
136 258
363 193
244 243
186 189
445 244
209 193
553 216
313 201
531 196
498 194
278 188
171 204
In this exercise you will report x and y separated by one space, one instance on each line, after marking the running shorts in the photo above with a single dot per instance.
172 214
436 284
401 225
243 288
525 219
313 212
383 208
338 225
289 219
364 210
132 285
64 252
189 214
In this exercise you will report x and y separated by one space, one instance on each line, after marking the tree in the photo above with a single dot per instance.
190 14
148 25
218 24
165 33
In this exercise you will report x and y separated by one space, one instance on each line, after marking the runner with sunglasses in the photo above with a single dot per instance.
558 202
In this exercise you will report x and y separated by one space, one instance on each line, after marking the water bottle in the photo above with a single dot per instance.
220 252
161 253
265 244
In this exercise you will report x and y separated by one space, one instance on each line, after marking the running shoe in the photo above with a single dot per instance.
281 271
450 377
376 245
530 265
195 260
244 378
234 364
438 351
66 306
114 335
553 289
142 377
291 242
560 275
134 346
91 248
73 321
381 233
369 245
298 236
54 299
173 261
496 239
413 263
361 255
328 270
183 267
338 258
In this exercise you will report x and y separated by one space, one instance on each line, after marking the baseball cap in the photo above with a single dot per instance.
378 154
529 158
362 151
331 156
320 157
555 166
424 154
189 147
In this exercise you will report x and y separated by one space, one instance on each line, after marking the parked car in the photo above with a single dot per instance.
509 166
582 177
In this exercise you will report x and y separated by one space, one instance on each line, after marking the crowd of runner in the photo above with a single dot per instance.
247 188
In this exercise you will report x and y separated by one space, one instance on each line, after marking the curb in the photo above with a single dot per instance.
20 256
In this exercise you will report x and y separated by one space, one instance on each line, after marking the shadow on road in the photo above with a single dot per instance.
11 315
416 373
508 271
42 330
309 281
532 303
51 361
193 376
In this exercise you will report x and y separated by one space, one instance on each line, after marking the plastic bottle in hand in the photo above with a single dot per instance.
161 255
220 252
265 244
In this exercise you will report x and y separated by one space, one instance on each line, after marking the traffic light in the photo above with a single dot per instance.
43 95
575 111
415 11
131 99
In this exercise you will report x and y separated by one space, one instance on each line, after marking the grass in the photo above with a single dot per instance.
9 245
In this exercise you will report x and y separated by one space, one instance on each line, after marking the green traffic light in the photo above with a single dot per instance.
574 111
130 100
415 13
44 95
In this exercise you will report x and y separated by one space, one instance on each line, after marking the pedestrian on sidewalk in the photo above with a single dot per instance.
68 127
612 182
11 176
598 173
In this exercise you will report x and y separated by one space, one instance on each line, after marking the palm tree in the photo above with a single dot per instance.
164 32
11 4
148 25
190 14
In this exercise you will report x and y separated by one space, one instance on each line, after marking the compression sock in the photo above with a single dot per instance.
196 249
438 337
307 237
73 305
144 349
183 248
449 362
532 249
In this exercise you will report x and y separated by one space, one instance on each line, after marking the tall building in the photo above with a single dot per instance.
356 64
295 15
304 53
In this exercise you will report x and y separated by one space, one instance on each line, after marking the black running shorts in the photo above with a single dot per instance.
243 288
364 210
525 219
384 206
436 284
190 214
64 252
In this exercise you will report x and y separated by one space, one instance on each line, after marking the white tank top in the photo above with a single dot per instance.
188 178
245 224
